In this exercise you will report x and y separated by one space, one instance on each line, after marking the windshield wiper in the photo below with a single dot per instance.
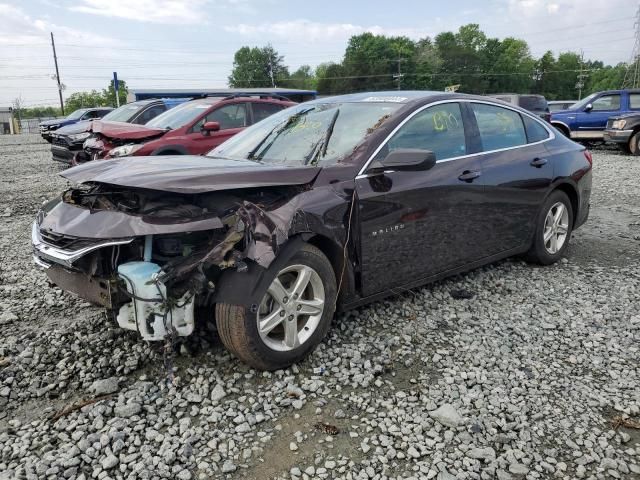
320 149
278 129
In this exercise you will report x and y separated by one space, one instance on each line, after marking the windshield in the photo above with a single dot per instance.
76 114
307 134
123 113
533 102
583 103
180 115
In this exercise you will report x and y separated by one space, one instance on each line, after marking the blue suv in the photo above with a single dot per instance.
587 119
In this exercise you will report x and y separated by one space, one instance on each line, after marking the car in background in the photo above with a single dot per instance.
625 131
586 120
194 128
67 141
49 126
534 103
556 105
330 204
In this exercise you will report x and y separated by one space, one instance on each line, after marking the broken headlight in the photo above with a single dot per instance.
619 124
124 150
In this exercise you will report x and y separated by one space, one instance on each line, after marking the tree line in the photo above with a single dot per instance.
95 98
468 58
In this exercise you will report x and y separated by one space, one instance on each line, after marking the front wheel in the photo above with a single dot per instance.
553 229
634 144
293 317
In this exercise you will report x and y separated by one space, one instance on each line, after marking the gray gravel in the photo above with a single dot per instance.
523 380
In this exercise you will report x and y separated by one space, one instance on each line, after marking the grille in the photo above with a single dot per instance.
66 242
59 141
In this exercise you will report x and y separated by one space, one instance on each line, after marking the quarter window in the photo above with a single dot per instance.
439 128
606 102
634 100
264 110
499 127
535 131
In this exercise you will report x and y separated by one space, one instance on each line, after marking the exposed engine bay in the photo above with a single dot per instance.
166 251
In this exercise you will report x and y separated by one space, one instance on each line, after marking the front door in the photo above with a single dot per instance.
593 122
417 224
232 118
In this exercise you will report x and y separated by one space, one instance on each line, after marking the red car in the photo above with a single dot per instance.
193 128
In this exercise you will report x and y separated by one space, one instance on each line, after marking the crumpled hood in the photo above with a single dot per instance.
125 131
189 173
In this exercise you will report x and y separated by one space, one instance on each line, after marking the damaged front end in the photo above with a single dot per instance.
151 257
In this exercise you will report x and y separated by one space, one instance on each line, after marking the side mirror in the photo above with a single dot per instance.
209 127
408 159
588 107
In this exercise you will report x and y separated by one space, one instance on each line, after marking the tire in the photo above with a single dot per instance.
634 144
541 251
274 349
562 130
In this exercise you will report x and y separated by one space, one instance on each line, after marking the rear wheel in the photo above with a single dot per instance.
553 229
293 317
634 144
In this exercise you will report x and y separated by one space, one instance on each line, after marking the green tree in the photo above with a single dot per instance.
257 67
84 100
109 93
303 78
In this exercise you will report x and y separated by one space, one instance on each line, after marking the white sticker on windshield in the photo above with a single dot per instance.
385 99
202 106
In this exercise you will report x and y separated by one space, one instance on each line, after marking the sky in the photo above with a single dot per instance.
185 44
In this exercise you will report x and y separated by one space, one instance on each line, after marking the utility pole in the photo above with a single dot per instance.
399 75
273 82
632 75
55 60
581 76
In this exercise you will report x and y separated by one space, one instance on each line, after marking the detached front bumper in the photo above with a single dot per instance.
617 136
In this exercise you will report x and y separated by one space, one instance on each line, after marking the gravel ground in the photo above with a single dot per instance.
524 380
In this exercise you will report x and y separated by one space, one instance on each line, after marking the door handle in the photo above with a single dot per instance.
469 175
538 162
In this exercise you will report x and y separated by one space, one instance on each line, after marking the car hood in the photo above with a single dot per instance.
125 131
624 115
55 121
74 128
189 174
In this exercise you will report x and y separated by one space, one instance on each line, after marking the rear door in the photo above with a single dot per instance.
516 174
593 122
232 117
418 224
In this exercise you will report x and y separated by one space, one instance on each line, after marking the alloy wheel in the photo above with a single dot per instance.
556 227
292 308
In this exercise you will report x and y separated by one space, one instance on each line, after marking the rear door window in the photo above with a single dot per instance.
634 101
439 128
499 127
264 110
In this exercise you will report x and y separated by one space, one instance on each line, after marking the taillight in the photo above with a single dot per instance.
587 155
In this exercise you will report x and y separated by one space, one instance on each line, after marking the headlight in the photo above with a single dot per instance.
124 150
618 124
79 137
